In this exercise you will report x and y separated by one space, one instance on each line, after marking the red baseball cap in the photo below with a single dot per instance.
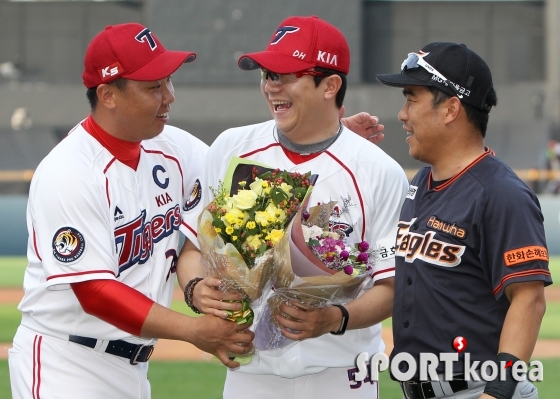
301 43
129 51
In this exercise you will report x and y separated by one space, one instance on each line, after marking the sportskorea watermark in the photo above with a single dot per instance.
428 363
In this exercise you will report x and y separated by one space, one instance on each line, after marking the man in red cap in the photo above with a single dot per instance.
303 81
104 214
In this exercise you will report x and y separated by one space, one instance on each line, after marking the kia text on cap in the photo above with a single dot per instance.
130 51
301 43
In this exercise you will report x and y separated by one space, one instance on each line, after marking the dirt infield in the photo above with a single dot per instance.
174 350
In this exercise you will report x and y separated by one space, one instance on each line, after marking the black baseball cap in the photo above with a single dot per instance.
461 66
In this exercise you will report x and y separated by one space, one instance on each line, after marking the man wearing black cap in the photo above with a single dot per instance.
471 253
303 80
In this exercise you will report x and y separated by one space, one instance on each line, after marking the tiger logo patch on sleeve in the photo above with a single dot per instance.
68 245
195 196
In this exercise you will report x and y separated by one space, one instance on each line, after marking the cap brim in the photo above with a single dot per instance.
162 66
273 61
400 80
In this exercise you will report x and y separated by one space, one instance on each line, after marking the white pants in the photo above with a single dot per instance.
331 383
44 367
524 390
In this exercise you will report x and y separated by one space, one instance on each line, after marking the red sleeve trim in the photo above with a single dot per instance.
520 274
115 303
190 229
80 273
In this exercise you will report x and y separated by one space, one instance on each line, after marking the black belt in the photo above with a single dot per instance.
425 390
136 353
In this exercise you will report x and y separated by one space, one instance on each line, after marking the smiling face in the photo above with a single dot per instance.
423 123
297 107
141 109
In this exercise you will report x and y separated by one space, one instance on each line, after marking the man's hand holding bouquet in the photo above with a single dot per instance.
316 267
238 230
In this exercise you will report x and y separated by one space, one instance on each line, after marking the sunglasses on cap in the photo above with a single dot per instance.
280 79
415 60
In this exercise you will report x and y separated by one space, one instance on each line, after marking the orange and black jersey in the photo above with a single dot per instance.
459 244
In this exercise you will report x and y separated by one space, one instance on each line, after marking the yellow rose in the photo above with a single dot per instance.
234 238
286 188
254 241
275 235
229 230
218 230
256 186
261 218
245 199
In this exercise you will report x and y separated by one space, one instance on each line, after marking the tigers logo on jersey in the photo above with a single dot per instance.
68 245
194 199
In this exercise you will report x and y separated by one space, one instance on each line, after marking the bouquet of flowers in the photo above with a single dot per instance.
247 218
321 268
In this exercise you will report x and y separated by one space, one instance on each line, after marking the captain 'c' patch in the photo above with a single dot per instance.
195 196
525 254
68 245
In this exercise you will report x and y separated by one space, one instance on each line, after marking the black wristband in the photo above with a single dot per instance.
503 389
344 323
189 291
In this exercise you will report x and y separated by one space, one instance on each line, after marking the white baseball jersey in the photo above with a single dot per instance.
369 187
91 217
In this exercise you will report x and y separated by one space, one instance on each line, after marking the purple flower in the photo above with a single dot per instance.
363 246
369 268
348 269
344 255
340 243
305 215
363 257
329 258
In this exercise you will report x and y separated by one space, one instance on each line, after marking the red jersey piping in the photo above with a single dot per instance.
487 152
520 274
80 273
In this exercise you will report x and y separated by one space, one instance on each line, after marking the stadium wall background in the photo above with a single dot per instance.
13 235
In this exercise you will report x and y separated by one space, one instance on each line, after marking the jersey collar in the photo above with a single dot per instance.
450 181
127 152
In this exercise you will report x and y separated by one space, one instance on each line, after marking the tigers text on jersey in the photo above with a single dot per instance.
90 216
369 187
458 246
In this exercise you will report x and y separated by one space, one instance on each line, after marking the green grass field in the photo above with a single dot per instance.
205 380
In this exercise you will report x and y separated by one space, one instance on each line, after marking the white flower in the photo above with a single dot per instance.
311 232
